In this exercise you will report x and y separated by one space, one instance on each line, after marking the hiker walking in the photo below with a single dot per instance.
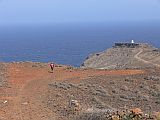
52 65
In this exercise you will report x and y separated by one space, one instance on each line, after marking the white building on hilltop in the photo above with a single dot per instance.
132 41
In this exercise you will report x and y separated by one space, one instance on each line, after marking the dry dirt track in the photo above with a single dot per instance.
145 61
28 83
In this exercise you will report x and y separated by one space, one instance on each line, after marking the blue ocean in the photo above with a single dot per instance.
70 43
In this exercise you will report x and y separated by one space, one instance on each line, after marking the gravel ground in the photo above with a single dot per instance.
2 74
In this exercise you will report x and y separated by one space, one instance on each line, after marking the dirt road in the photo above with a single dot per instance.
28 82
145 61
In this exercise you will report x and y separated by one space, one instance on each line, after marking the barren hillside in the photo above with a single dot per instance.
32 92
124 57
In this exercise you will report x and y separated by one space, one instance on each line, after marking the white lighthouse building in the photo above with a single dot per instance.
132 41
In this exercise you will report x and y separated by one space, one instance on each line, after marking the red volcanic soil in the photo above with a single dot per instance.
27 82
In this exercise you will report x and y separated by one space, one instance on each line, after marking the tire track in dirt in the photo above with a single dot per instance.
145 61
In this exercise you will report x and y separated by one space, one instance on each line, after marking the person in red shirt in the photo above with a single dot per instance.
52 65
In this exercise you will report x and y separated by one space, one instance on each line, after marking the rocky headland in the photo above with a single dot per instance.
124 57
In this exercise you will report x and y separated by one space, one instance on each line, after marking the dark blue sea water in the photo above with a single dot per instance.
70 43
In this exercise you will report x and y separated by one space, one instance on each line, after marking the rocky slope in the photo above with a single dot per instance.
34 93
2 74
142 56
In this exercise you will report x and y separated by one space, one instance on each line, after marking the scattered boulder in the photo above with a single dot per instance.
137 111
74 106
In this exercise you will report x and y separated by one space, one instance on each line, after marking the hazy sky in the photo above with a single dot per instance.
51 11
